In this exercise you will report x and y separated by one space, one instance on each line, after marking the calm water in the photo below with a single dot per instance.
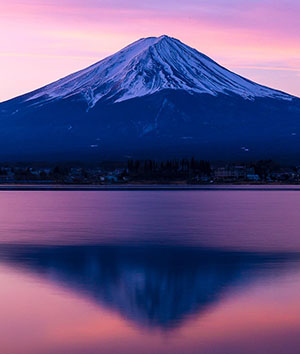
212 272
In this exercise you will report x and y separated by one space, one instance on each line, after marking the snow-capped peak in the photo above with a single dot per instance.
150 65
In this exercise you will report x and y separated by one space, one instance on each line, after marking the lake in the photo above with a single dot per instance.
122 272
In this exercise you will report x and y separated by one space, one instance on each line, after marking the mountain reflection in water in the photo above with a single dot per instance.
154 287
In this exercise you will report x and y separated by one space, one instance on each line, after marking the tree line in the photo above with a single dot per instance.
170 169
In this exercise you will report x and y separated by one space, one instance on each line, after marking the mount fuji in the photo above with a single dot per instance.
156 98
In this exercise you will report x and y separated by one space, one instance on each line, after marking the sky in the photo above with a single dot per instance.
44 40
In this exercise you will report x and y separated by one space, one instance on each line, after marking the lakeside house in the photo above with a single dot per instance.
233 173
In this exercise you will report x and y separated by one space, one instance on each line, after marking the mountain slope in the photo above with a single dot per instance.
148 66
155 95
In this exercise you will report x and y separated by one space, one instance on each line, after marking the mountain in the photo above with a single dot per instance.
148 66
155 98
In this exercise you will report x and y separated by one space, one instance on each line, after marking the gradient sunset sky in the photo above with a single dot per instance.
44 40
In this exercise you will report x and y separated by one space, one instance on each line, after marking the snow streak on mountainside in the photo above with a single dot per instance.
150 65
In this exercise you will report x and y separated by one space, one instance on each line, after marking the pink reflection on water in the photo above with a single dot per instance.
38 317
51 305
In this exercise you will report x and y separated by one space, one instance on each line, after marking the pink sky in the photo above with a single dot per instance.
44 40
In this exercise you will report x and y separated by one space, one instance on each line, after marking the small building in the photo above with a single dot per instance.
230 173
253 177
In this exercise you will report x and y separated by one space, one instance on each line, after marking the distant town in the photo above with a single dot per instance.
177 171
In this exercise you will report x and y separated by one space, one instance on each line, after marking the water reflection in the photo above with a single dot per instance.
153 287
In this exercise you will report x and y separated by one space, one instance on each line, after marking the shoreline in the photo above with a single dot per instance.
149 187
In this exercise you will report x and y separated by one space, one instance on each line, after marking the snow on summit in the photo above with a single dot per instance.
150 65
